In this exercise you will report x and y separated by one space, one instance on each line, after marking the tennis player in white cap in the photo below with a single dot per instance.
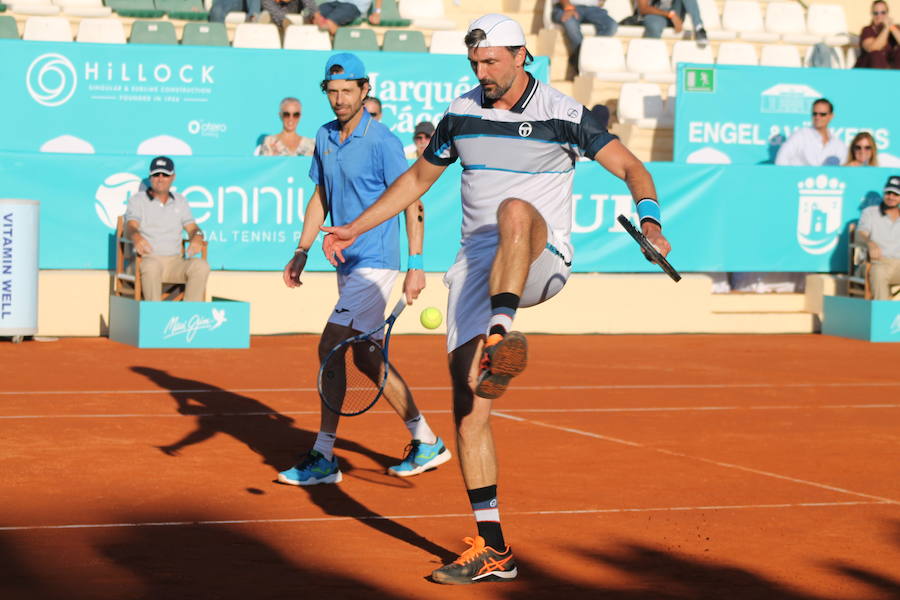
518 140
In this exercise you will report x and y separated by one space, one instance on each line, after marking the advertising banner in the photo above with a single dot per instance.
730 114
19 221
202 101
718 217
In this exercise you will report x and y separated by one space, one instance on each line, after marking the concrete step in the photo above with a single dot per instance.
737 302
763 322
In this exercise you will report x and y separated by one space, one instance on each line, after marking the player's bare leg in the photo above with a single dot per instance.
522 235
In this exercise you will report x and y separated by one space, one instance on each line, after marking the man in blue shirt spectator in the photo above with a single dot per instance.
334 14
355 160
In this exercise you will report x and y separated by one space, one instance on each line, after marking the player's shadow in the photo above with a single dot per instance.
276 439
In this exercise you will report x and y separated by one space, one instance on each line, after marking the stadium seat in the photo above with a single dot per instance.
403 41
35 9
348 38
788 20
257 35
780 55
139 9
605 59
618 10
306 37
684 51
828 20
650 58
425 14
237 16
851 57
745 17
187 10
84 8
8 28
448 42
737 53
204 34
837 57
101 31
709 12
641 104
390 15
47 29
153 32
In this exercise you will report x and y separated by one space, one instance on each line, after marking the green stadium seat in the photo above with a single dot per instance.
153 32
349 38
204 34
2 8
390 15
8 28
404 41
187 10
139 9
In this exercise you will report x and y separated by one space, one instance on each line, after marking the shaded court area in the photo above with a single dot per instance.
632 467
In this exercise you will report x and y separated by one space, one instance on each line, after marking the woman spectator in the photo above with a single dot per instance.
863 152
879 42
288 142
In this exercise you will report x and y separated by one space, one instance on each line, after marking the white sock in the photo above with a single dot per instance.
325 444
419 429
504 321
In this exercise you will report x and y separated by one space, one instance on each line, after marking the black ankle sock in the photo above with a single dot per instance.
484 505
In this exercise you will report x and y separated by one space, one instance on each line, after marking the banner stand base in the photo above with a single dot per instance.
868 320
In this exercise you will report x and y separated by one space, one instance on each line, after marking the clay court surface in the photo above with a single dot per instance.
632 467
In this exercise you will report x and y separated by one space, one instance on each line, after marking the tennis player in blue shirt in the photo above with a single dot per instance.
355 161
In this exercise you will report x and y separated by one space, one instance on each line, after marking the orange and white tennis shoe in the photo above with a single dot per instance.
478 564
503 358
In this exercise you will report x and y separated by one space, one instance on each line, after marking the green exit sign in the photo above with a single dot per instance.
699 80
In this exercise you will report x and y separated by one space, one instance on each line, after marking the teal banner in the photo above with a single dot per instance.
202 101
718 218
729 114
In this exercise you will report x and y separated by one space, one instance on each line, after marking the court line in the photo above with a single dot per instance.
443 411
649 386
586 511
698 458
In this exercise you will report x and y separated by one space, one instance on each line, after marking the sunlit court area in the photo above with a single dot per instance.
630 334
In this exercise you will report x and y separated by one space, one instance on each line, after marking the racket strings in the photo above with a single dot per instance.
352 377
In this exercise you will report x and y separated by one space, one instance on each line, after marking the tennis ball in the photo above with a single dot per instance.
431 318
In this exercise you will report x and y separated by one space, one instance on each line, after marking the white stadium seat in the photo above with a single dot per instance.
426 14
306 37
689 52
47 29
448 42
101 31
737 53
789 21
745 17
709 12
650 58
605 59
36 9
780 55
641 104
257 35
828 20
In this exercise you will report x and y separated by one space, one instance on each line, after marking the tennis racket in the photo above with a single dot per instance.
650 253
352 376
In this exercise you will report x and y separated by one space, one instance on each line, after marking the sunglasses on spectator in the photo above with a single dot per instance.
891 194
879 12
858 147
820 114
286 115
160 175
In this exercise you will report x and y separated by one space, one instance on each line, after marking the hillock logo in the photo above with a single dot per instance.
51 79
819 213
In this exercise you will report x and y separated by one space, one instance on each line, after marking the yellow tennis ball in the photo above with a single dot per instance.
431 318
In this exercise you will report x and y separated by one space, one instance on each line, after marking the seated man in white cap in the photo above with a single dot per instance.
154 220
878 227
518 140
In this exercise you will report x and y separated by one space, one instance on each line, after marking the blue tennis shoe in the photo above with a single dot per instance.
421 457
313 469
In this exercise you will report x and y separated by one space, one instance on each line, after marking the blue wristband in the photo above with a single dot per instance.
415 262
648 209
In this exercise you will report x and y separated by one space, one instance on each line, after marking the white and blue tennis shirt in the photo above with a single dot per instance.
526 152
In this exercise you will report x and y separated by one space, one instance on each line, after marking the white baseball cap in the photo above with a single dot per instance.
499 30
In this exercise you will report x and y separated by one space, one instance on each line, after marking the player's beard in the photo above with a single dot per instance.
498 91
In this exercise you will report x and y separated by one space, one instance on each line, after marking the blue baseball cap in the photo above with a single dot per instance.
353 67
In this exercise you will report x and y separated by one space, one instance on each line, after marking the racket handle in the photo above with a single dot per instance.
401 304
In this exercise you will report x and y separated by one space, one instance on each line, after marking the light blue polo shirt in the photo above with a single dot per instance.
354 175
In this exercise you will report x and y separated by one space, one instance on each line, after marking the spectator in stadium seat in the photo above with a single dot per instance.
421 137
877 227
334 14
879 42
154 220
658 14
813 146
280 9
572 13
288 142
221 8
863 152
373 106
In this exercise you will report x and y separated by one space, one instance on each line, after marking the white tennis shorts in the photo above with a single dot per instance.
469 301
363 295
